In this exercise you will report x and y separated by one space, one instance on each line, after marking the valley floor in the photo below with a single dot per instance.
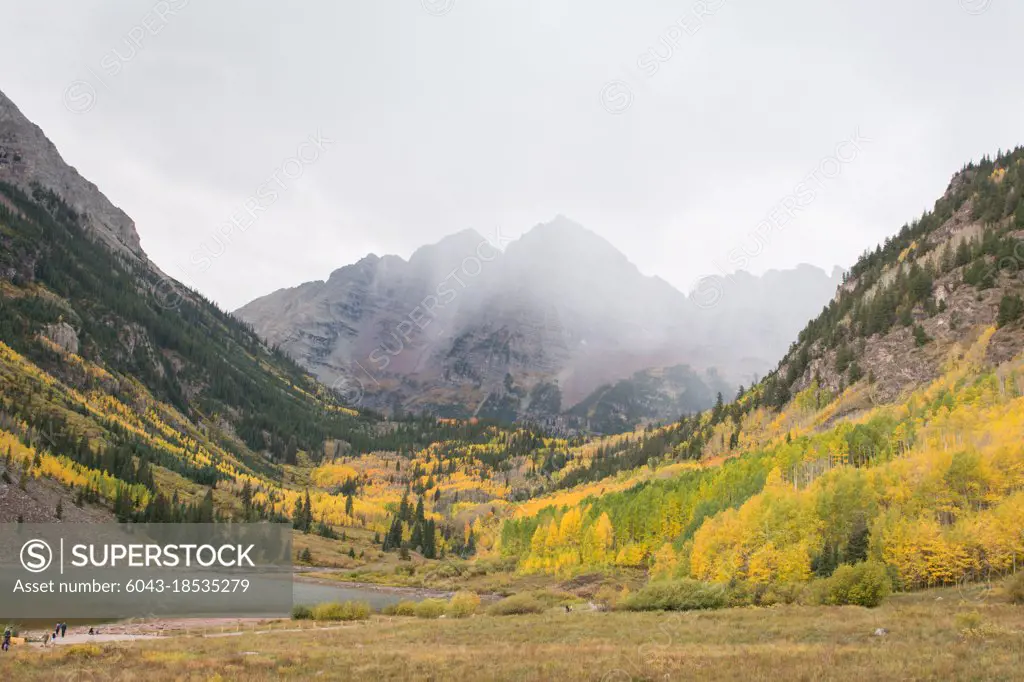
933 635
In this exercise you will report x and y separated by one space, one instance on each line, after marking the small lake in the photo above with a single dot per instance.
311 593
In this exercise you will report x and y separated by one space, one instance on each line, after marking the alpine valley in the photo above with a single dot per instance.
543 422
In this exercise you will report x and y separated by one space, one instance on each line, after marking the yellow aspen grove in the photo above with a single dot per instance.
570 527
632 554
666 562
538 544
551 540
604 538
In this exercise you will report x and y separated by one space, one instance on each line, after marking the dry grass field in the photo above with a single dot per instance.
940 635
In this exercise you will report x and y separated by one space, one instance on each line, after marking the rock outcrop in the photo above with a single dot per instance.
64 335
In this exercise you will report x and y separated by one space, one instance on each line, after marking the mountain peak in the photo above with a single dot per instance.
561 227
457 245
561 240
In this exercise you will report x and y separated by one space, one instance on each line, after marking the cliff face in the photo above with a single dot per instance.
28 160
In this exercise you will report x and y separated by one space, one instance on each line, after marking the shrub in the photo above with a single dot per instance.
785 593
349 610
610 595
476 569
518 604
463 604
862 584
1015 588
430 608
741 593
554 597
970 624
968 621
448 569
82 651
402 608
676 595
816 592
301 612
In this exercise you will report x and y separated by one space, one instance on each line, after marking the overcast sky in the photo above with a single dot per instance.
670 128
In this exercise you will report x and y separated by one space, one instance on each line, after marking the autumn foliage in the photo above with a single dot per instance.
930 490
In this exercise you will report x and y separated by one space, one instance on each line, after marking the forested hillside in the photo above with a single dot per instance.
893 431
65 288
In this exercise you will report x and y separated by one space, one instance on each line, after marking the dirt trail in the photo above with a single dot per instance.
132 630
157 629
90 639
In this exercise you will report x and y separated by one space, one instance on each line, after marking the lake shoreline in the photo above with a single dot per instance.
420 592
131 628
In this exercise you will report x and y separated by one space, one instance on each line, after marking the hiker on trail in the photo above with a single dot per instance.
91 631
56 630
63 629
7 639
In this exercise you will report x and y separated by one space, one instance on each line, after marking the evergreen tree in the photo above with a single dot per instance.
420 511
247 500
403 508
921 337
307 518
1011 308
393 539
206 508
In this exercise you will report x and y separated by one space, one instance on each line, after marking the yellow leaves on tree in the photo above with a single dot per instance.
332 474
69 473
665 562
562 544
633 555
921 554
602 539
767 540
569 528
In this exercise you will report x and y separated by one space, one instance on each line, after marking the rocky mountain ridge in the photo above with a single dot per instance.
28 160
920 300
86 313
464 328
